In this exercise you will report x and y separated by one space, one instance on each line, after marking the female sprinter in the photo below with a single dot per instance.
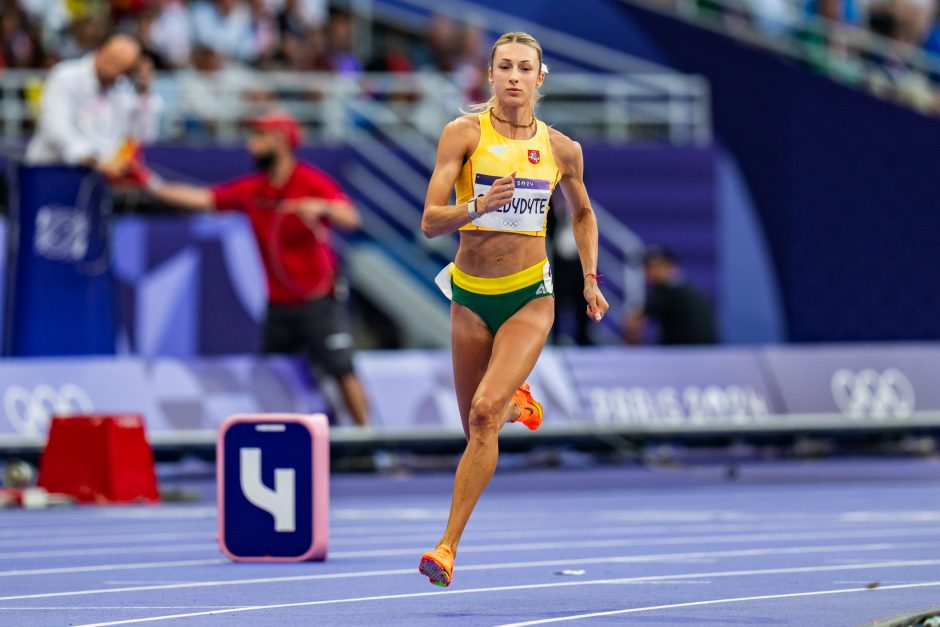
504 163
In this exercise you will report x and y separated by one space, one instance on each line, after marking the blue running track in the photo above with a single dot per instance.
835 542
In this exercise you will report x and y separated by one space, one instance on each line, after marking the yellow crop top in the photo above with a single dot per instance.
536 176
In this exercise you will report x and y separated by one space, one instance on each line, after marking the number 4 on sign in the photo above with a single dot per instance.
278 502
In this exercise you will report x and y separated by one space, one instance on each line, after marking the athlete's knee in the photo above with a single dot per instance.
486 417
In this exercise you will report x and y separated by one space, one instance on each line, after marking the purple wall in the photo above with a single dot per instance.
667 196
214 164
844 184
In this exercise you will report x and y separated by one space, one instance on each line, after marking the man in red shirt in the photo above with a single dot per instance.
291 206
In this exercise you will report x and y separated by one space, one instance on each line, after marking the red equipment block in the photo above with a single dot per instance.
99 459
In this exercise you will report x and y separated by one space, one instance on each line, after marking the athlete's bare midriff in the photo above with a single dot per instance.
489 254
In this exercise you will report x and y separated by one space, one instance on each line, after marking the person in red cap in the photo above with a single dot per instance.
291 206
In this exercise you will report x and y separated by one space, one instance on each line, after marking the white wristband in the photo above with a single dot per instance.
472 209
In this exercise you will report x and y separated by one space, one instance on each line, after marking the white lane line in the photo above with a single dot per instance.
112 607
623 559
414 595
583 531
474 536
120 550
27 530
518 546
79 524
79 519
674 541
109 567
67 519
388 513
908 516
387 536
109 538
652 608
671 557
410 534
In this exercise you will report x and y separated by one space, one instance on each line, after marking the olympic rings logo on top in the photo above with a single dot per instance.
29 411
872 394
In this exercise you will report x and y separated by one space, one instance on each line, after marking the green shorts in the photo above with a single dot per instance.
495 300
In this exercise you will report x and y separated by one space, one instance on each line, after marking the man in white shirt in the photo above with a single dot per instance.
91 111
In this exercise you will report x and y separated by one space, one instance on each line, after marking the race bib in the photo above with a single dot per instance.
525 212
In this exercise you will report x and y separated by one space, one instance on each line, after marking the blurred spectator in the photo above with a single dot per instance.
393 56
291 21
127 10
144 33
91 110
339 34
50 18
931 42
298 16
305 51
226 27
170 34
914 19
682 312
292 207
82 36
440 52
302 42
264 32
775 17
212 90
18 46
471 61
894 78
844 11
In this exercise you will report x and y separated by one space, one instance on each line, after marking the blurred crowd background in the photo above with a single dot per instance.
312 35
208 35
208 53
889 47
842 38
913 22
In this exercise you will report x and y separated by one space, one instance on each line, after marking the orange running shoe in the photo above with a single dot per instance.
438 565
530 409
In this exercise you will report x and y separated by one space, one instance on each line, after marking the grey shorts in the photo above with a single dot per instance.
318 328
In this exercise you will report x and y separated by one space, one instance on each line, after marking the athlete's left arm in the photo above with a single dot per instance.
570 161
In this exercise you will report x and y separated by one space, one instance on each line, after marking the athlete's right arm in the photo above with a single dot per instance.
184 196
440 218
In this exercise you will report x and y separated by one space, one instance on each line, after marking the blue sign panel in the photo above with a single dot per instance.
63 298
268 489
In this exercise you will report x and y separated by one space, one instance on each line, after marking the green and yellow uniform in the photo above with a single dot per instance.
496 156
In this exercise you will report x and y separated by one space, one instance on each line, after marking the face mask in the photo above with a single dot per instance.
265 161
